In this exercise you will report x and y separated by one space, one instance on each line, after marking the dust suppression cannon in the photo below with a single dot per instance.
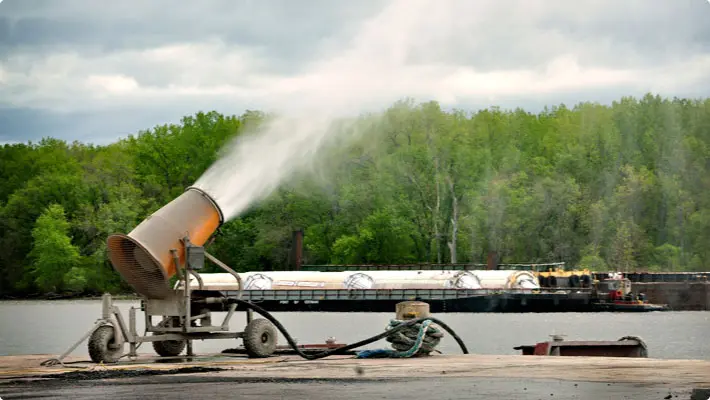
167 245
161 259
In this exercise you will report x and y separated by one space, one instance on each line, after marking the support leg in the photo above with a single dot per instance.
189 349
132 328
58 360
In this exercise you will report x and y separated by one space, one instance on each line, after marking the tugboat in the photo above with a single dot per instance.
614 294
557 276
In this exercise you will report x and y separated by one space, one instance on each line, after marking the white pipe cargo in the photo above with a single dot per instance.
507 279
433 279
271 280
278 280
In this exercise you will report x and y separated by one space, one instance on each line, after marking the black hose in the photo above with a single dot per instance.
351 346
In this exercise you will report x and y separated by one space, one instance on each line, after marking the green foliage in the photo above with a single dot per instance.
53 256
383 237
620 187
667 257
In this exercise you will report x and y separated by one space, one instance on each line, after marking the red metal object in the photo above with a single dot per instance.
540 349
319 346
286 349
627 346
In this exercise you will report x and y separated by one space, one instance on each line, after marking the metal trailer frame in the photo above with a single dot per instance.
178 308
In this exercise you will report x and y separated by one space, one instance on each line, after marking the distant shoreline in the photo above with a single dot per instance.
47 297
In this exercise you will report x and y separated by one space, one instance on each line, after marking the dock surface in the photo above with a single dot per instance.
462 376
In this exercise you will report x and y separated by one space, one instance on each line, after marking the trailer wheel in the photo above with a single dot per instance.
169 348
260 338
103 347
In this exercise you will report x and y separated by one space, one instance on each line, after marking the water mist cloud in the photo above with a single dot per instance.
93 62
408 50
256 164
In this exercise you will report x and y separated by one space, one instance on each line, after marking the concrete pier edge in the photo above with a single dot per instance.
689 373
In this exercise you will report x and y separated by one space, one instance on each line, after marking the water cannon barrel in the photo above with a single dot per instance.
143 257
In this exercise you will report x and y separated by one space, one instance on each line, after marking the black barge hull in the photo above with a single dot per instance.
482 304
440 300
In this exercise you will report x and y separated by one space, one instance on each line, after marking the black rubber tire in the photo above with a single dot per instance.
101 346
544 281
169 348
574 281
552 281
586 281
260 338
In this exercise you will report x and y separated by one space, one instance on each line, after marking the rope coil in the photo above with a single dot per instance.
408 340
418 339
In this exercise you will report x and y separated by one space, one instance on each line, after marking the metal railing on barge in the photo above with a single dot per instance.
400 294
638 277
413 267
660 277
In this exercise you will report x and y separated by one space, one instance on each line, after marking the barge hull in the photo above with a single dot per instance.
469 305
440 301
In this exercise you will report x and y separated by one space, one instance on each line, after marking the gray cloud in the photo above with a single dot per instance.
23 124
283 30
627 33
97 70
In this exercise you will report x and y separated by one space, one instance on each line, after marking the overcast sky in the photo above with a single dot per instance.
97 70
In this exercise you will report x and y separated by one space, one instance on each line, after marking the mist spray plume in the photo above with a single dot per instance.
255 165
409 49
372 68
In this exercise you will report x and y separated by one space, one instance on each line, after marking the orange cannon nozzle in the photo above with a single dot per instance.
143 257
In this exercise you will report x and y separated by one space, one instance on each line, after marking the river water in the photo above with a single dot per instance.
51 327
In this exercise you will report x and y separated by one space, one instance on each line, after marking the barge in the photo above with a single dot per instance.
447 291
440 300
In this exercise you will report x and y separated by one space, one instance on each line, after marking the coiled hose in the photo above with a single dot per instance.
344 349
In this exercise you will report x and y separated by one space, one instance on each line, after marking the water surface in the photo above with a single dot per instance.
51 327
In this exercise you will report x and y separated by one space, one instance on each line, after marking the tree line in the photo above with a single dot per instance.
609 187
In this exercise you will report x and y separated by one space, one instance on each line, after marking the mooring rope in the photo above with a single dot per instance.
412 340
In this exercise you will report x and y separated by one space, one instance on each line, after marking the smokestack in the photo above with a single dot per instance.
492 260
143 256
297 250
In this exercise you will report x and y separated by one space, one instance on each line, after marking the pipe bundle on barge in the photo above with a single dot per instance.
496 291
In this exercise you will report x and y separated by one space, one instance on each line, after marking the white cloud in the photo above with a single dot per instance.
388 59
453 51
112 84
